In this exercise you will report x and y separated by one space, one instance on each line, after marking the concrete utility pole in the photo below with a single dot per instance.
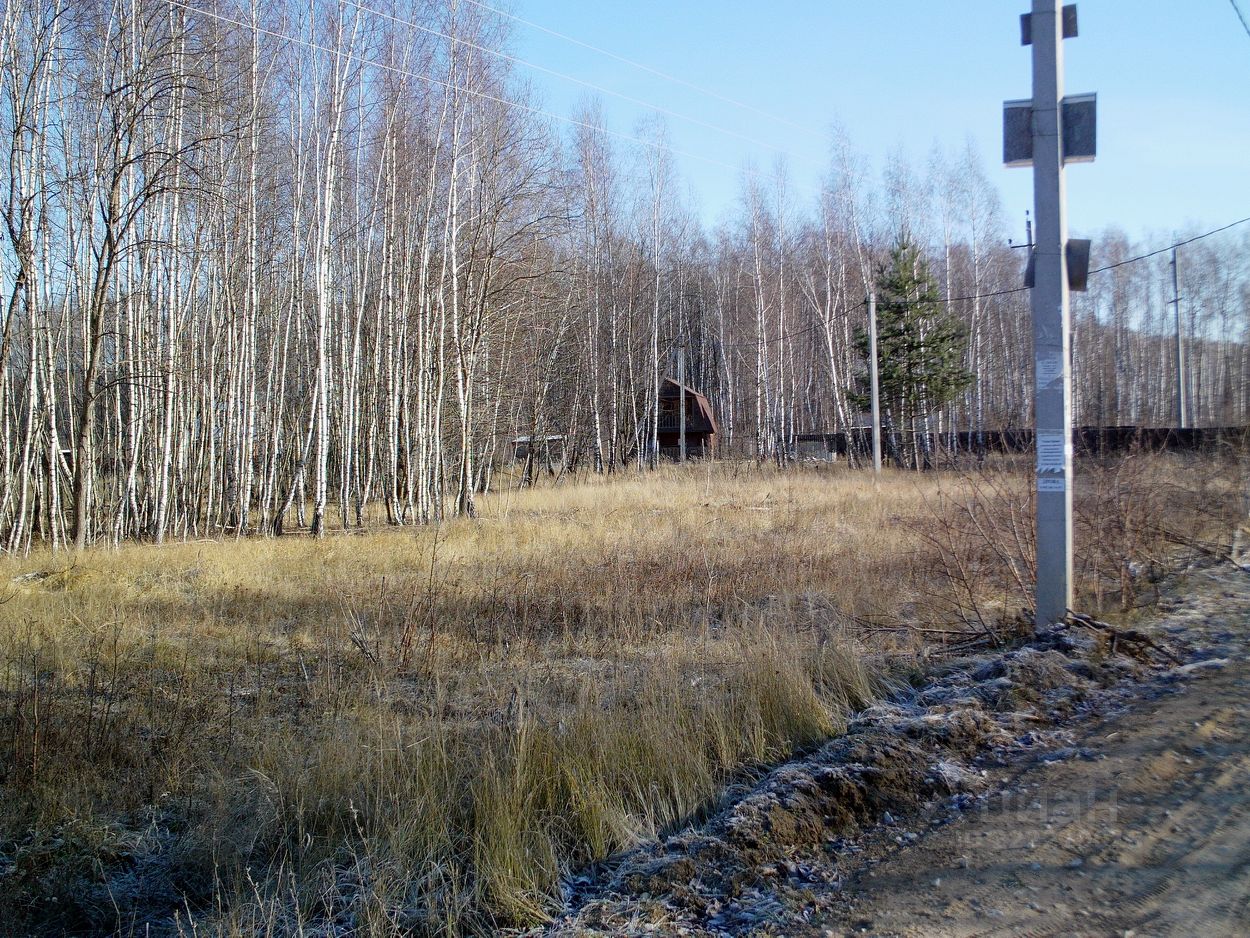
1182 404
681 407
875 382
1051 324
1046 132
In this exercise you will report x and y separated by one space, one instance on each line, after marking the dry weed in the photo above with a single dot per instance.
422 730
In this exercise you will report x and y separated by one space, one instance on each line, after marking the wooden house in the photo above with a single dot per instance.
701 428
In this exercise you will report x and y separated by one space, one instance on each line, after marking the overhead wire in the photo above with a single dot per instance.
824 323
657 108
1178 244
1241 16
351 57
635 140
644 67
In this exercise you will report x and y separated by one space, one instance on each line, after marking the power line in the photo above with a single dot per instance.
640 142
755 343
1178 244
645 68
1236 9
659 109
982 296
862 303
449 86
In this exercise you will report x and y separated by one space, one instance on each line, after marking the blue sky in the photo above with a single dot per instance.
1173 84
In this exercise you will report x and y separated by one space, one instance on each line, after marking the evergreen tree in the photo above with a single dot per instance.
921 346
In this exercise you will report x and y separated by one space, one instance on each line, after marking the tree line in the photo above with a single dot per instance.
292 265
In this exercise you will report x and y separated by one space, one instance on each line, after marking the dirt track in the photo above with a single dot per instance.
1061 788
1144 829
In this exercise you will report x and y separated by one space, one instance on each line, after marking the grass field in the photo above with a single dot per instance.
420 729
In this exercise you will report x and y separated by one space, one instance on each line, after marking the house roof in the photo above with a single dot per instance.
705 409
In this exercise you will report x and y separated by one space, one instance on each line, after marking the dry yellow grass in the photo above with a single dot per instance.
420 729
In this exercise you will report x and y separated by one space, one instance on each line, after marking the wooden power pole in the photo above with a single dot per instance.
1182 404
681 406
875 383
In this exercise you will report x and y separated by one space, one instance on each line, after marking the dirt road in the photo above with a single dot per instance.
1143 828
1061 788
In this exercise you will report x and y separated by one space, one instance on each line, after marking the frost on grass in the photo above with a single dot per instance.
754 865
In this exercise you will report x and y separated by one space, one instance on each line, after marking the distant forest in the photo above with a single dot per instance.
280 265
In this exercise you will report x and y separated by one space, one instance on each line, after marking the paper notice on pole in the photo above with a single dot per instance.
1052 448
1049 369
1050 484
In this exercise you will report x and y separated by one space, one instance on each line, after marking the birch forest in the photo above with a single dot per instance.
310 265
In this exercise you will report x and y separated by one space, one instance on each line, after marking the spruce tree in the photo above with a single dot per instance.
921 346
